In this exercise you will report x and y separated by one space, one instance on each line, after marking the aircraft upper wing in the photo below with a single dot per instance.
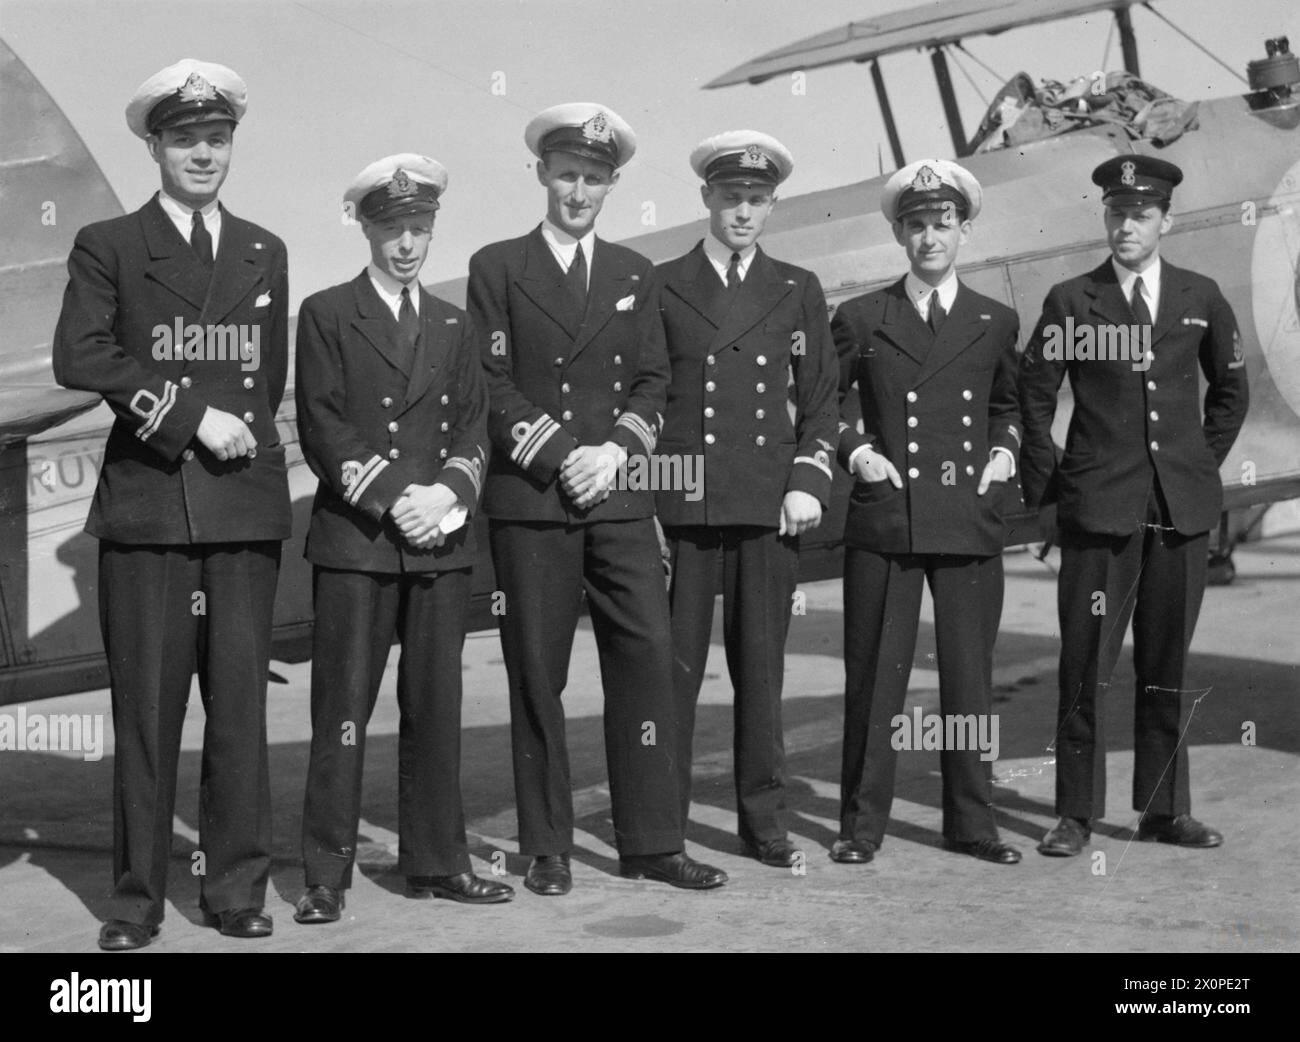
925 26
51 187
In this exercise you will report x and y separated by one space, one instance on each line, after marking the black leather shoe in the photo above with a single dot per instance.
678 869
1183 830
320 904
117 935
778 852
853 851
1066 838
240 922
549 875
466 887
993 850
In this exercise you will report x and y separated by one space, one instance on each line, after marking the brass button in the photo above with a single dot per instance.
966 445
444 399
760 388
966 395
760 441
392 427
761 359
913 447
248 383
912 472
708 411
249 417
618 359
559 361
442 453
911 396
617 411
618 386
709 439
965 421
186 382
444 426
1154 415
710 386
1151 385
759 414
394 454
970 470
1155 446
564 388
187 455
912 421
711 360
387 403
566 415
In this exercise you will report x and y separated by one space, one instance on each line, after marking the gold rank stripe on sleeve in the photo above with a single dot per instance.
467 467
529 439
643 431
1011 429
823 467
368 474
153 416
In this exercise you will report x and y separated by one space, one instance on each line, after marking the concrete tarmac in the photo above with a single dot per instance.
1120 895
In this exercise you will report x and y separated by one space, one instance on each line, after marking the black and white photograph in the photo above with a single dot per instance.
730 476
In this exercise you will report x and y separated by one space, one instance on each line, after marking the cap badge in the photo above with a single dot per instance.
196 88
1126 174
401 185
598 129
926 180
754 158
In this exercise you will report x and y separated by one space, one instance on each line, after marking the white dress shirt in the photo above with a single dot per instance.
183 217
1150 283
719 255
564 246
918 293
390 290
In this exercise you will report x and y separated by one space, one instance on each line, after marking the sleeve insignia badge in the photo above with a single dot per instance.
351 472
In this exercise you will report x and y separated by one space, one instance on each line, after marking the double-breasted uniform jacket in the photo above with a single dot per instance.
733 359
134 281
369 428
1128 424
935 412
556 381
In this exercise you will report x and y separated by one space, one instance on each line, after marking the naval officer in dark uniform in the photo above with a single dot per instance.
935 366
577 377
392 413
178 315
1136 494
741 328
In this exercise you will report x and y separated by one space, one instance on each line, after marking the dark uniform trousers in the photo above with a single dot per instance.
375 416
882 602
189 545
935 405
759 572
357 614
561 375
228 638
1136 492
545 567
1156 576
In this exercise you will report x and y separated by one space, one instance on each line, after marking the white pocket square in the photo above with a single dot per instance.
626 303
262 300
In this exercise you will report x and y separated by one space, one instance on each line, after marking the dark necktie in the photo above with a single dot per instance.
200 240
578 279
408 328
1139 304
937 313
733 273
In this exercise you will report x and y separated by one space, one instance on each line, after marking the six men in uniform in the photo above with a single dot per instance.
575 360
